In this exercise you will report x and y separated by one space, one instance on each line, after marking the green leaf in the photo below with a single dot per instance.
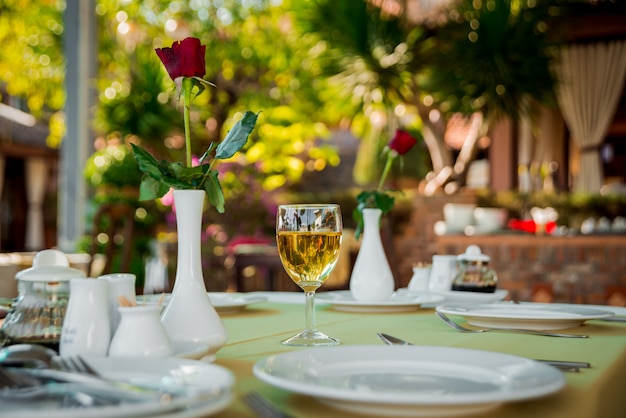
202 83
191 175
237 136
173 182
207 153
151 189
370 199
147 163
214 191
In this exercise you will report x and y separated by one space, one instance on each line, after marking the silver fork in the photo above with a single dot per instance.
523 331
6 379
263 407
163 392
75 364
27 389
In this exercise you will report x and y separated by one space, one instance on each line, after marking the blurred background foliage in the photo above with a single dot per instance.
310 67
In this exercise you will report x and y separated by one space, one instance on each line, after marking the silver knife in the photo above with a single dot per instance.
571 366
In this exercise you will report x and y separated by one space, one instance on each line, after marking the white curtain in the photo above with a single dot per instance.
592 80
36 179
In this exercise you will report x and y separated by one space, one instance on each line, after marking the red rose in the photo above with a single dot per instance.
184 59
402 142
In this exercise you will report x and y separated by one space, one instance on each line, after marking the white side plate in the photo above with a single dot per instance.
342 300
456 296
223 302
526 316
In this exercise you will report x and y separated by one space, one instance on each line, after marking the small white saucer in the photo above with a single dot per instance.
190 350
223 302
457 296
342 300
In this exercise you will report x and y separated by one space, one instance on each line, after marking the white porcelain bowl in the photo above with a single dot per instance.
458 216
490 219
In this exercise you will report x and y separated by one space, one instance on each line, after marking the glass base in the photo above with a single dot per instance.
311 338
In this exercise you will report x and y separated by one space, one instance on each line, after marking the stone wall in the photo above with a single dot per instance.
414 238
577 269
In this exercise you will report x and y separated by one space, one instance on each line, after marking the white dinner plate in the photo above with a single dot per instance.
457 296
223 302
342 300
416 381
535 317
209 385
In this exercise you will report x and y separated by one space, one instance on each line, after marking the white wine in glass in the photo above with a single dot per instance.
308 239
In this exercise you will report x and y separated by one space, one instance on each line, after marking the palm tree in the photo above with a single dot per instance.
489 58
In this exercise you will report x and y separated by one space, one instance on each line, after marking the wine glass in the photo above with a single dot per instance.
308 239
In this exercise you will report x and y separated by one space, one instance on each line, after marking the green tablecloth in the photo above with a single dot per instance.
256 332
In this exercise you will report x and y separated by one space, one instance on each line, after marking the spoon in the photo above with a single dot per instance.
27 355
524 331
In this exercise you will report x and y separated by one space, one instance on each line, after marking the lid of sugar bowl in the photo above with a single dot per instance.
473 253
49 266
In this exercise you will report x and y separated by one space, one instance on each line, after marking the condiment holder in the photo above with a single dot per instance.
140 333
43 292
86 328
120 285
421 276
442 272
474 273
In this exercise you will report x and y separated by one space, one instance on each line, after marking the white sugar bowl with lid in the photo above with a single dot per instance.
474 273
43 293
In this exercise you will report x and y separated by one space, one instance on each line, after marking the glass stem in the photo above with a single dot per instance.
309 310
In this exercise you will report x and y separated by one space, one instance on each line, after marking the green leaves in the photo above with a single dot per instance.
214 191
160 176
370 199
237 136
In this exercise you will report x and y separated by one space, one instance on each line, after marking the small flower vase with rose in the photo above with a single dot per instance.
372 279
189 317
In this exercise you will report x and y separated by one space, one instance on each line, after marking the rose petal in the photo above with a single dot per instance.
402 142
184 59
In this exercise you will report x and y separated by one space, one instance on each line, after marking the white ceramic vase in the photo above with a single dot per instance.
189 316
140 333
371 278
86 329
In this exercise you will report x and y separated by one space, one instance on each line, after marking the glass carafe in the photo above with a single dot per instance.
474 273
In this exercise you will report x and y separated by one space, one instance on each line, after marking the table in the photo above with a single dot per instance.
256 332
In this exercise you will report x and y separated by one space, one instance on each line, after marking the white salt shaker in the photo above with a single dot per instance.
420 278
120 285
86 326
140 333
442 273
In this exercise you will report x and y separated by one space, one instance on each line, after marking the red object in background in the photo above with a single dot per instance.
247 240
530 226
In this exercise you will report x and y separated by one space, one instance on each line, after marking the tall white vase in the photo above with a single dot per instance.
189 316
371 278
